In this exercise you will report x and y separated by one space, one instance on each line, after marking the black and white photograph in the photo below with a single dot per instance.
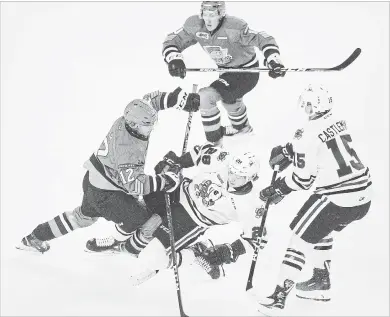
194 158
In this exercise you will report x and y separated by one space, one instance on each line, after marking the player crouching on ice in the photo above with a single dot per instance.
230 43
220 193
115 175
321 152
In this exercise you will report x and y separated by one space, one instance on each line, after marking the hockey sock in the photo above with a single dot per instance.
211 120
292 265
54 228
137 242
322 252
239 118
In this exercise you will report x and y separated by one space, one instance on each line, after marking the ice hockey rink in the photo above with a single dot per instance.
68 69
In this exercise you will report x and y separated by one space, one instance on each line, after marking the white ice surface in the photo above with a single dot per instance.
68 70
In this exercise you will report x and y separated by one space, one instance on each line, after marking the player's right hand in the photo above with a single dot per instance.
282 156
169 162
176 65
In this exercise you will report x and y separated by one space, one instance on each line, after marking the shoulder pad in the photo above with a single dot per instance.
193 23
235 23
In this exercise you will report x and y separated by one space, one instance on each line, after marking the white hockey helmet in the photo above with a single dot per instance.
140 116
218 6
243 168
315 100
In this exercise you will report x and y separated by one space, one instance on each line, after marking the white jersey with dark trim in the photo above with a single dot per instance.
324 154
207 197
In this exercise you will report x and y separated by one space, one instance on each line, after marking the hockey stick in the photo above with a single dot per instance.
343 65
170 222
259 238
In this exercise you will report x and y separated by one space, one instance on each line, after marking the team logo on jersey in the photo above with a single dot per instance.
220 55
298 134
222 156
209 192
202 35
259 212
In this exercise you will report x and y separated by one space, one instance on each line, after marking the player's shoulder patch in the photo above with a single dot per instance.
235 23
298 134
193 24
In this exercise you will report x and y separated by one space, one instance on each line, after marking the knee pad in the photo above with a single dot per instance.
208 98
78 220
298 243
233 107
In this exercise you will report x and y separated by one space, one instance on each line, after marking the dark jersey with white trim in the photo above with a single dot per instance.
230 45
325 154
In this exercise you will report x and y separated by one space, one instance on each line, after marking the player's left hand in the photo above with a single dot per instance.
274 63
275 192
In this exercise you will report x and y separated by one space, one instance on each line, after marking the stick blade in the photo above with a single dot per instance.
349 60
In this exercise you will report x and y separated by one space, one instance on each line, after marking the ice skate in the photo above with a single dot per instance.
317 287
274 304
105 246
33 244
231 131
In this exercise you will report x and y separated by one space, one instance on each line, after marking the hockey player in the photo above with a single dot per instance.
115 175
321 152
230 43
210 198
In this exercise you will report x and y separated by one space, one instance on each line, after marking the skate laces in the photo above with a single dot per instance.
105 242
230 130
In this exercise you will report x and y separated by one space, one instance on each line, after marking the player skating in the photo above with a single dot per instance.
115 175
230 43
321 153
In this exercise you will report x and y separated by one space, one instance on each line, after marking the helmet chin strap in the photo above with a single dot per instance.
244 189
136 134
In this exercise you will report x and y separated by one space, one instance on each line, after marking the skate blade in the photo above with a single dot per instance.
271 312
142 277
103 253
318 299
31 250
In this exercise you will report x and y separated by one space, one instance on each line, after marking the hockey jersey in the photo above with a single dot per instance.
324 154
207 197
230 45
119 162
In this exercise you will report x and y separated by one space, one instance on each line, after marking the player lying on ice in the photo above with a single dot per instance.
321 152
115 174
220 193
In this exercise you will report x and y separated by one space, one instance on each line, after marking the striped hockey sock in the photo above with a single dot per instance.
239 118
54 228
137 242
322 252
211 120
292 265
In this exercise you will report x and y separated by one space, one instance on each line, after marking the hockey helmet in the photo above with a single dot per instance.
243 168
218 6
140 116
315 100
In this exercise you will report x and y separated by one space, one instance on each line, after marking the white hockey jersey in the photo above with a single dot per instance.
207 197
323 153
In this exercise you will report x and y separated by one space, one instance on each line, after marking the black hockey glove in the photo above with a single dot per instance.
275 65
276 192
224 253
282 156
182 100
170 162
176 65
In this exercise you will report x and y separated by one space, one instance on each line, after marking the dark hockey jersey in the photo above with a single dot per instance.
119 162
230 45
